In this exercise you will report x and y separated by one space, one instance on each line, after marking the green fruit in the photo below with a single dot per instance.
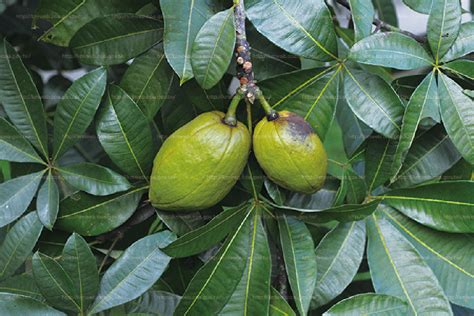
290 153
199 163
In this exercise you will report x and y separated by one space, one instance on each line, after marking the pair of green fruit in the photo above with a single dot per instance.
200 163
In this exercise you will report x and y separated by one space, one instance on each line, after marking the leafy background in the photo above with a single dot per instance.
390 232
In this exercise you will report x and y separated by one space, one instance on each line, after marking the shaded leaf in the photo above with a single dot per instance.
463 67
15 304
369 304
386 11
362 16
14 147
463 44
379 156
154 302
356 187
47 202
22 284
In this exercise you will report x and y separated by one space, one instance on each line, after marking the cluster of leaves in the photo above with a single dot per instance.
396 115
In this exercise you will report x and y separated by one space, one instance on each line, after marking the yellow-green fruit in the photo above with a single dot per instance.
199 163
290 153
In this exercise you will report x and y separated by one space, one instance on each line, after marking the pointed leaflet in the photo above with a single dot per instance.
68 16
18 244
344 213
20 98
183 20
148 80
252 294
458 116
54 283
300 260
94 179
213 280
463 67
309 35
14 304
386 11
207 235
443 26
445 254
446 206
464 43
212 49
16 195
362 16
22 284
378 161
389 49
80 265
430 156
311 94
338 257
134 272
278 305
374 102
47 202
14 147
76 110
369 304
114 39
424 95
125 134
397 269
92 215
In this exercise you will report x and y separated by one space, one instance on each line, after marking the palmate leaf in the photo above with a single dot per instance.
136 270
14 147
114 39
362 16
338 258
212 49
369 304
463 44
20 98
11 304
183 20
47 202
309 35
76 110
446 206
300 260
444 253
397 269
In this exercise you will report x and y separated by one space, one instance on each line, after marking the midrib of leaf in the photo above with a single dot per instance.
13 253
408 198
298 25
322 92
62 19
84 176
231 241
269 56
413 235
250 266
78 109
81 295
149 78
3 289
441 30
402 53
278 310
186 48
387 252
116 38
378 167
23 152
40 174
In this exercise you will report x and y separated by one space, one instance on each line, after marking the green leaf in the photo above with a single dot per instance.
424 95
300 260
458 117
153 303
76 110
344 213
47 202
252 294
386 11
181 223
20 98
212 49
311 94
183 20
356 187
379 156
79 263
362 16
390 49
207 235
14 147
463 44
374 102
68 16
54 283
445 206
125 134
369 304
444 253
397 269
309 35
338 257
22 284
430 156
114 39
443 26
92 215
16 195
278 305
463 67
137 269
213 280
94 179
18 244
149 80
14 304
422 6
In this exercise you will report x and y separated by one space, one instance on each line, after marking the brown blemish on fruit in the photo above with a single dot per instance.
296 126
